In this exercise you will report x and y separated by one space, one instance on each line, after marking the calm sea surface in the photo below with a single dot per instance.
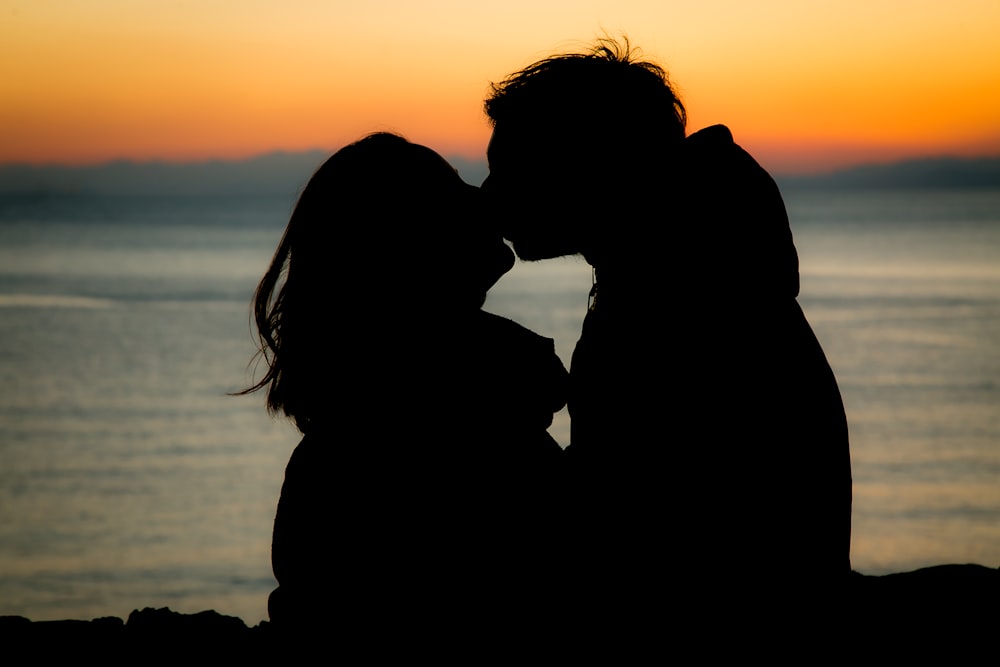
129 479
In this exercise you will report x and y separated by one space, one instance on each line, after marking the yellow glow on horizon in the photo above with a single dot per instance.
800 83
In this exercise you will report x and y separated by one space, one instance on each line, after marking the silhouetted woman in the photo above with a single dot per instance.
421 495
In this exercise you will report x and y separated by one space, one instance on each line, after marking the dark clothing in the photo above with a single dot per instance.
709 438
428 509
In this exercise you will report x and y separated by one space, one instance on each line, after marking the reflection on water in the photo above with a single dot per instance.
129 479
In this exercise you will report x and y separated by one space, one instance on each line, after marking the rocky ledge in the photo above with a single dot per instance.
955 608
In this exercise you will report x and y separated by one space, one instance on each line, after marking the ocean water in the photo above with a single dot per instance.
130 479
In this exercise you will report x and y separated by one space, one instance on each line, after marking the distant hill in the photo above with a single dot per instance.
943 172
285 174
274 173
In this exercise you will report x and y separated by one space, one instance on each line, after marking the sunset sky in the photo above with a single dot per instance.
805 86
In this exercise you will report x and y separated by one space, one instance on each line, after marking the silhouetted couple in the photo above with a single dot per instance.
708 471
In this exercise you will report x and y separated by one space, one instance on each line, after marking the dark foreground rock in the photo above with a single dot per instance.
147 634
944 611
956 605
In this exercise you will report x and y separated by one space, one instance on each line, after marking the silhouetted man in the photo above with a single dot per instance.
709 447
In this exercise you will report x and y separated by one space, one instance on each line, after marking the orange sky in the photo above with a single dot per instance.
804 85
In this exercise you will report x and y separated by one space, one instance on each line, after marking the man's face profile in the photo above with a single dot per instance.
532 190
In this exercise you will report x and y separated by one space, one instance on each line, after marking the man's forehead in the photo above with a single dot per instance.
527 140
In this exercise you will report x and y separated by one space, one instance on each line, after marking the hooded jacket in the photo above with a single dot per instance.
708 429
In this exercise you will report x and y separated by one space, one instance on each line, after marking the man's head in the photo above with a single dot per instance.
578 138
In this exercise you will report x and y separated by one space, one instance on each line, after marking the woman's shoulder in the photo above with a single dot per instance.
522 356
314 450
509 332
518 347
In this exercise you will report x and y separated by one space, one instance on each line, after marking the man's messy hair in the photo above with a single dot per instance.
610 81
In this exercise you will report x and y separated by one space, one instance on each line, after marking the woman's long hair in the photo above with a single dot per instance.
355 253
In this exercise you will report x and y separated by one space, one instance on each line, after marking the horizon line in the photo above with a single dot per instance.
218 160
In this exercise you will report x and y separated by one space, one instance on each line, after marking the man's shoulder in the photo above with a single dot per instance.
715 134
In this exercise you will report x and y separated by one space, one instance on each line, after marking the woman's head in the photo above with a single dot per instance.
385 231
